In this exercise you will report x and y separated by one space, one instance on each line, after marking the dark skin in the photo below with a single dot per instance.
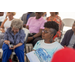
52 15
47 35
1 13
38 16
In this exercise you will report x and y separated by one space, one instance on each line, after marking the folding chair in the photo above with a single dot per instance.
68 22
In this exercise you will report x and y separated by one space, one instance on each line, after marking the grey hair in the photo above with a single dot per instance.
17 23
53 31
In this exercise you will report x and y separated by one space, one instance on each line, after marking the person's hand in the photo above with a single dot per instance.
1 29
24 25
30 39
7 42
13 47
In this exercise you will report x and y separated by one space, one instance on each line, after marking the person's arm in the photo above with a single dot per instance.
63 43
1 13
7 42
27 27
28 22
2 25
38 34
36 45
35 36
15 46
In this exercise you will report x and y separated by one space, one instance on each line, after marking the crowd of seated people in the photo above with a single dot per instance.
43 31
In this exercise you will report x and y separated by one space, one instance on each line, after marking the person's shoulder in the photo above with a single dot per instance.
58 17
31 18
22 31
58 45
8 30
44 20
69 31
40 41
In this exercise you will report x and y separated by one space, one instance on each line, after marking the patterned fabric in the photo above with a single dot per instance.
57 19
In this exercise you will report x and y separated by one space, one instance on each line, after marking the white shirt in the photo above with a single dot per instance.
7 24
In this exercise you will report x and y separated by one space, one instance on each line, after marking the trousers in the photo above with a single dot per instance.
7 52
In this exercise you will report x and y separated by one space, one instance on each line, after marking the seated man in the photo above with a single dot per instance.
35 26
44 49
26 16
69 38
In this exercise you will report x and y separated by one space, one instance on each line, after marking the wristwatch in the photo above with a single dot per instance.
33 37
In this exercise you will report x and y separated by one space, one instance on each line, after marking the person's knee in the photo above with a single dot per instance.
5 46
20 48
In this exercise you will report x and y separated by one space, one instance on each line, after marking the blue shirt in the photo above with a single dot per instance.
28 15
14 39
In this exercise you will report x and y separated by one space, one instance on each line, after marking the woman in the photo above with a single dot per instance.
7 22
15 36
69 38
35 26
54 17
44 49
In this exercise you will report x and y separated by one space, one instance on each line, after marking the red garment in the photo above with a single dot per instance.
64 55
57 19
10 60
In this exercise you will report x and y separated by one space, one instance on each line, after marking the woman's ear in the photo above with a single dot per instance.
52 35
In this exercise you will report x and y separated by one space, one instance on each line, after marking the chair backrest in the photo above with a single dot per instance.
68 22
26 32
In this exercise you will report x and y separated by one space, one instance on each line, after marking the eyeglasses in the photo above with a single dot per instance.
45 31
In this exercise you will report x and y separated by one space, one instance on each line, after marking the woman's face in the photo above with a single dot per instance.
15 30
10 15
47 34
52 13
